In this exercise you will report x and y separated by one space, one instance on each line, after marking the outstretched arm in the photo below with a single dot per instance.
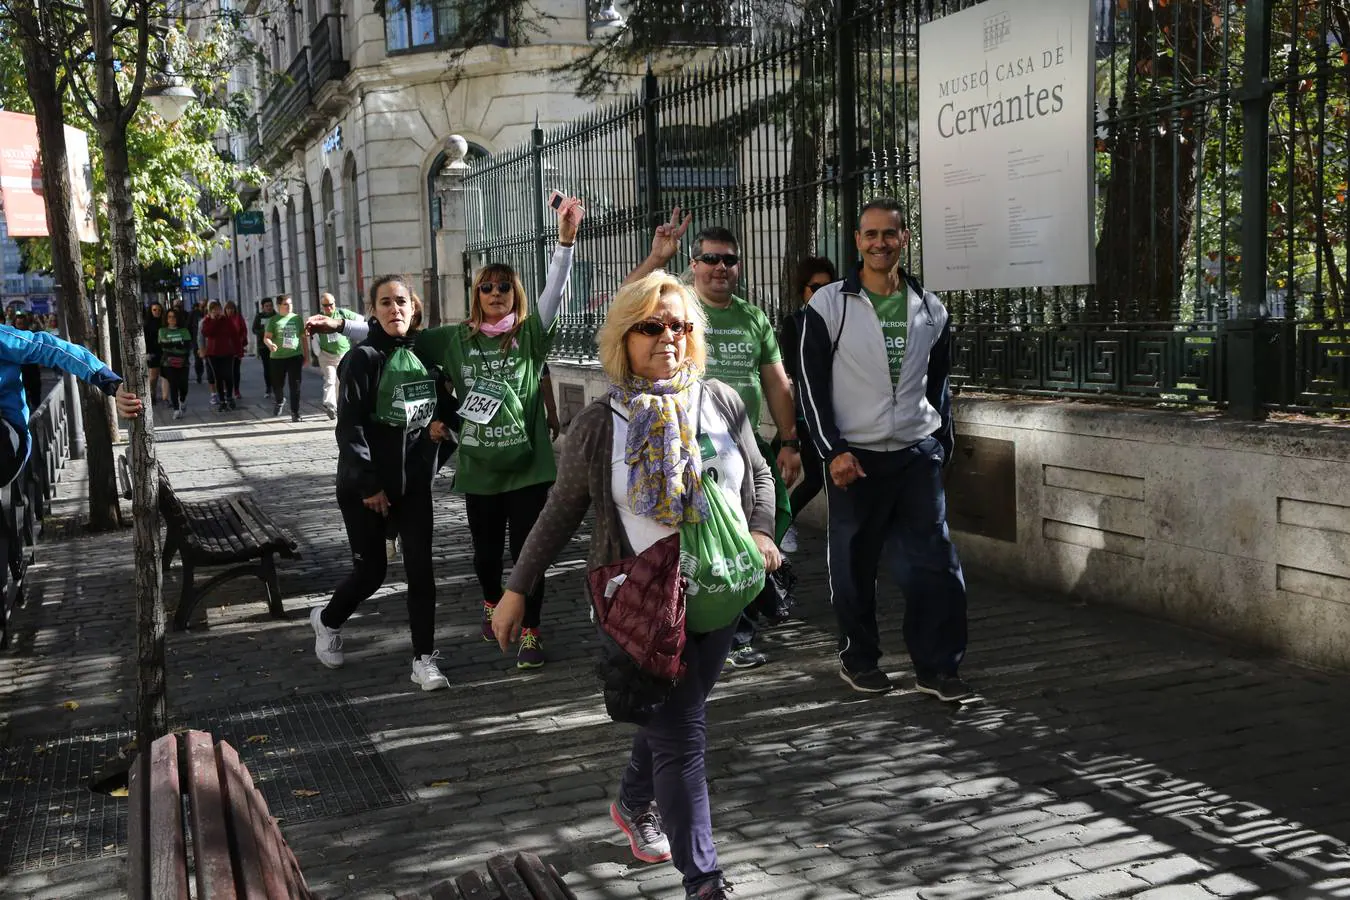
42 349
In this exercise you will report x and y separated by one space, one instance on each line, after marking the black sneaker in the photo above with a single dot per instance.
873 681
718 891
295 417
950 688
746 657
278 409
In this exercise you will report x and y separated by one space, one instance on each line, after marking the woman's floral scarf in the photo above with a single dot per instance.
661 451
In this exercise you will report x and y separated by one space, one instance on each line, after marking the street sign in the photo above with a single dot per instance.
249 221
192 282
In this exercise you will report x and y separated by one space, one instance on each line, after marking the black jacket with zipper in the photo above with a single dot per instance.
372 456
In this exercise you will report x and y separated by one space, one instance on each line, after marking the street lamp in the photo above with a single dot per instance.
170 97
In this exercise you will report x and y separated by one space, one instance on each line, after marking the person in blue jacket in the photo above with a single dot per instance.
19 348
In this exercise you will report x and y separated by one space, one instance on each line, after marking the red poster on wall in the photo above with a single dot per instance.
21 178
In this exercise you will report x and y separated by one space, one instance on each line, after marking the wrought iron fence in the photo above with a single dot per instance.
1222 138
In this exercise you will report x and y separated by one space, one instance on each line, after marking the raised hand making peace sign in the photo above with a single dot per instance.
666 239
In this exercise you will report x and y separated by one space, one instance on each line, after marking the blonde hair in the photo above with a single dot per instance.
520 306
636 302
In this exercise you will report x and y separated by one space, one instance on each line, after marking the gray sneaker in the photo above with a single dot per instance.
645 835
327 641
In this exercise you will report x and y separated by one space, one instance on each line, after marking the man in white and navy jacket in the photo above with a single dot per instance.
875 358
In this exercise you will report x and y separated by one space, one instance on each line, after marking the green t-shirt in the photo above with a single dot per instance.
893 313
464 356
338 343
176 343
740 340
287 332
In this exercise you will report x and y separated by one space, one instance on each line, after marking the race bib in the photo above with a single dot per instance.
290 341
483 401
417 401
175 362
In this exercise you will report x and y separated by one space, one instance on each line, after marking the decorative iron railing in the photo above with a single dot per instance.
1221 258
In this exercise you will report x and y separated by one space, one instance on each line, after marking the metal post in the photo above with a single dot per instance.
537 158
73 416
847 104
1245 384
651 155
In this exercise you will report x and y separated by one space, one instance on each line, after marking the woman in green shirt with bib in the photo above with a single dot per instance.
506 464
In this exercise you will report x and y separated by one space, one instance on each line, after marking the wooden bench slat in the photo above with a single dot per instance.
502 870
248 853
138 828
213 867
263 528
446 890
168 870
275 880
473 887
541 879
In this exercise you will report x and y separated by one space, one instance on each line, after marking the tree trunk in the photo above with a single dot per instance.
1150 195
41 61
112 121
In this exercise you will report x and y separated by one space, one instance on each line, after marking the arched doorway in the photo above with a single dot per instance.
330 251
352 226
311 245
277 260
435 217
293 248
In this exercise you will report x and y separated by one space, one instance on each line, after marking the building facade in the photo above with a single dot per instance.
354 108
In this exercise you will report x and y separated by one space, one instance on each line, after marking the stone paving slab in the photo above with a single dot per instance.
1111 756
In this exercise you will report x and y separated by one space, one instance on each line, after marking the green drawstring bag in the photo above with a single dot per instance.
722 567
496 429
406 396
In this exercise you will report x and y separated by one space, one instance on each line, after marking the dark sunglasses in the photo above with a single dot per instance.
652 328
503 287
712 259
812 287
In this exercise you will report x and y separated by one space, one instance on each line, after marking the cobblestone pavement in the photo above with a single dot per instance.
1111 756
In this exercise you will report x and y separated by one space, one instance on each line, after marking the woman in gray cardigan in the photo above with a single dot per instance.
652 349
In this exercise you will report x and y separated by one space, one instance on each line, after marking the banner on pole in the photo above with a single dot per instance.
21 179
1005 145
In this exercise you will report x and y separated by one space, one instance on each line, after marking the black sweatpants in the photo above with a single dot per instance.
287 371
490 515
199 364
410 518
899 510
178 384
266 356
813 475
222 375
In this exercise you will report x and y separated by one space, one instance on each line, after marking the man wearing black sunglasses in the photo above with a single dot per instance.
742 352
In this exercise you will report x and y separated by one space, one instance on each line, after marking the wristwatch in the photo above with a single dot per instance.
792 443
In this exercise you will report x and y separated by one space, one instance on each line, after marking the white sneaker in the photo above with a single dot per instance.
327 641
426 673
178 413
391 548
789 544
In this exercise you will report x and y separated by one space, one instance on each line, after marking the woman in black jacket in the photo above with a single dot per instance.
387 458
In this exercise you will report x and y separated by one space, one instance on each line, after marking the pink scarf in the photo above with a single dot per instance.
498 328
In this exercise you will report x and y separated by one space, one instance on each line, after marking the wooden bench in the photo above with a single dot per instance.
225 531
237 850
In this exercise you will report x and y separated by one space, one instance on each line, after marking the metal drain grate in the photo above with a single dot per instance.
310 756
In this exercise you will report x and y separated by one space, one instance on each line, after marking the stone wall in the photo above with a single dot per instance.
1234 528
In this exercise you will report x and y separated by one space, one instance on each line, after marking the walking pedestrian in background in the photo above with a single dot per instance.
176 348
387 458
223 342
153 322
813 273
260 318
232 313
331 348
648 459
284 335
